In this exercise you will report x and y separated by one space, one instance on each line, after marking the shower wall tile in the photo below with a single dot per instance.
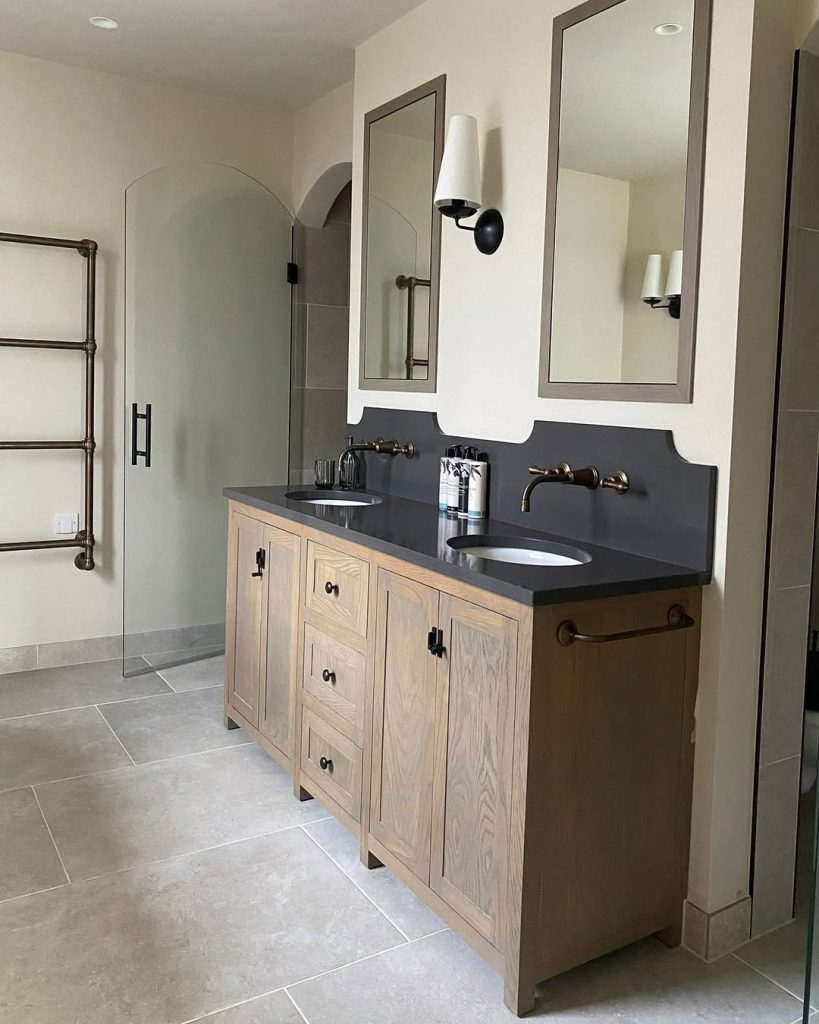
325 424
799 388
324 270
327 346
783 690
792 522
777 814
17 659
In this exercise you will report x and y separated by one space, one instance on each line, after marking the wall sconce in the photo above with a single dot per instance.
458 193
653 294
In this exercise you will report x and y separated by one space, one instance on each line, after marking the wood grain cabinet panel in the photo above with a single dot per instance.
244 616
279 658
338 587
403 720
332 761
473 763
334 681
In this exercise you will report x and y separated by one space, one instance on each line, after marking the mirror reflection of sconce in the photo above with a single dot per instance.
653 294
458 193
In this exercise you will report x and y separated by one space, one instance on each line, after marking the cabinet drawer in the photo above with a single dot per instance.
334 681
341 778
338 587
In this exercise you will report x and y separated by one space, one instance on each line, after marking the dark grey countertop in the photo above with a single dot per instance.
417 533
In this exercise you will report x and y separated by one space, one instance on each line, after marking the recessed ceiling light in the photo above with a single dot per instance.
108 23
668 28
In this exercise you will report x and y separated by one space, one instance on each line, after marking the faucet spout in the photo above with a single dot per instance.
561 474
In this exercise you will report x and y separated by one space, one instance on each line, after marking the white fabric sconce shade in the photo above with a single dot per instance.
652 287
459 180
673 285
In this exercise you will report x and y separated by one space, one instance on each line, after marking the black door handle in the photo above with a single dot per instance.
136 451
330 588
435 642
325 763
260 559
328 676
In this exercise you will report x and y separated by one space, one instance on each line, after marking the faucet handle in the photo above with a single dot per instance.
540 470
617 482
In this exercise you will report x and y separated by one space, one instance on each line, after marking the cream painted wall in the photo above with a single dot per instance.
591 233
491 306
656 213
72 141
322 140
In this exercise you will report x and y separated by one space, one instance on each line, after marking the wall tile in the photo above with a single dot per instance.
806 205
325 423
17 659
299 347
799 388
324 269
794 499
78 652
775 854
783 690
327 346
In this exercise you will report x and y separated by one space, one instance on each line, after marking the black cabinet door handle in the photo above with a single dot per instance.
260 560
325 764
328 676
330 588
136 451
435 642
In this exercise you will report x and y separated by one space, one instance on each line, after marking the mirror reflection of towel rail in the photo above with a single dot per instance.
411 283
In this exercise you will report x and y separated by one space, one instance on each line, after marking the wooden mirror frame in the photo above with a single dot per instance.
437 88
682 390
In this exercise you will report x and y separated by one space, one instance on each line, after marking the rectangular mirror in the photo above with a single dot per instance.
401 238
626 144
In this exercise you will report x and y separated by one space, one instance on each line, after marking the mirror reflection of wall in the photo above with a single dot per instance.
622 155
401 242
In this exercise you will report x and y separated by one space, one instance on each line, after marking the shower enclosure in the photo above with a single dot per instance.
207 391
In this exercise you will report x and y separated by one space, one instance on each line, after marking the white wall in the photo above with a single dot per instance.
72 141
650 336
591 233
490 313
322 145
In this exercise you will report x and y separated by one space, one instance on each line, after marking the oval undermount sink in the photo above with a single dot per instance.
344 499
519 550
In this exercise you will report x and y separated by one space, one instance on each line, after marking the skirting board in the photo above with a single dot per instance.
712 936
108 648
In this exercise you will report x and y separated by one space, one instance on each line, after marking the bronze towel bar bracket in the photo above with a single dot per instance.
678 618
85 537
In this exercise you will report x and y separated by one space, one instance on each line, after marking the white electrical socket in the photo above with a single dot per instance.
67 522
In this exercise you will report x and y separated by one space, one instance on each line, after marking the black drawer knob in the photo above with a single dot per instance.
330 588
325 764
328 676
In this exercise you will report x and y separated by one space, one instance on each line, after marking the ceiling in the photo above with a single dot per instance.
286 52
624 102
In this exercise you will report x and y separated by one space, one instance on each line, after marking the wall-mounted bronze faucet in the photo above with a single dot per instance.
563 473
382 447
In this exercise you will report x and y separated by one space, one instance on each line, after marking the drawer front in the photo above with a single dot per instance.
341 776
335 677
338 587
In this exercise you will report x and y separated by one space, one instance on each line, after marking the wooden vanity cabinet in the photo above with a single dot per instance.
535 794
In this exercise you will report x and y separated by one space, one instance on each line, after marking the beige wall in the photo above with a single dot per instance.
72 141
322 145
490 312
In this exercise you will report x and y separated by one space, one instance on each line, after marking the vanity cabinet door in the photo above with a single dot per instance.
403 720
473 763
279 636
244 616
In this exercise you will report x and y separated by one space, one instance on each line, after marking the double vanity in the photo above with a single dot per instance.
502 717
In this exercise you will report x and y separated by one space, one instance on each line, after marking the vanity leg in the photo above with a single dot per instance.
229 723
518 992
370 861
672 935
302 794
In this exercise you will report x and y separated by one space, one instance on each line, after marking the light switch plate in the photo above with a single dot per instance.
67 523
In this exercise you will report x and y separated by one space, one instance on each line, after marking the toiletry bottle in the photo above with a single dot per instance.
350 470
478 480
463 486
453 482
443 481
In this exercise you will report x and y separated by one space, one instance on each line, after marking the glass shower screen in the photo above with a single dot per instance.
207 390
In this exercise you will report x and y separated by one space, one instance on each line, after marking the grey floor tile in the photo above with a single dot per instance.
72 686
438 979
28 860
780 955
392 897
121 819
178 940
275 1008
173 724
60 745
195 675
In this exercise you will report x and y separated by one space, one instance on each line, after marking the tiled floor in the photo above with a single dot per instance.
156 869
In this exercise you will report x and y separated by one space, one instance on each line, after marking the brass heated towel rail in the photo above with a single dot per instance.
85 537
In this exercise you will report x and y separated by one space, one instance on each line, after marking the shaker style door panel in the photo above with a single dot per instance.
244 616
280 614
473 763
403 720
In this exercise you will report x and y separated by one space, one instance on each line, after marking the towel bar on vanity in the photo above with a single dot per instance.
678 618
